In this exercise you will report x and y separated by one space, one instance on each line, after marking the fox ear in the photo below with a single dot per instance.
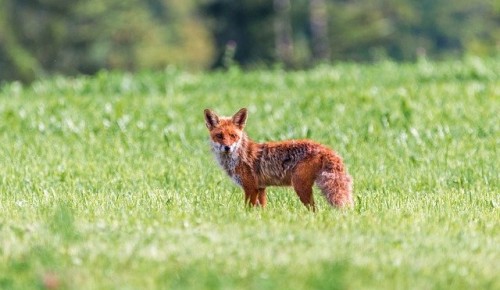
211 119
240 118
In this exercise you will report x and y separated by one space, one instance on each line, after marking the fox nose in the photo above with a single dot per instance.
227 148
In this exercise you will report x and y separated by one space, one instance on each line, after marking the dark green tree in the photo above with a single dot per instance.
243 26
39 37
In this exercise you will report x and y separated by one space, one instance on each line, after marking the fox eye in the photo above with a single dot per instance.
232 135
219 135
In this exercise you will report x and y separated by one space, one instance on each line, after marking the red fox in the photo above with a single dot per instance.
298 163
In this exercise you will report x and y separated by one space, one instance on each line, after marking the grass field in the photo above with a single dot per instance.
107 182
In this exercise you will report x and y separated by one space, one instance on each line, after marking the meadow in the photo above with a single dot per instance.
108 182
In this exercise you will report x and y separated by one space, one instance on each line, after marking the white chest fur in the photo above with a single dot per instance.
228 162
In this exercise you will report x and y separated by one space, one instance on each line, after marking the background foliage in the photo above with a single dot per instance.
42 37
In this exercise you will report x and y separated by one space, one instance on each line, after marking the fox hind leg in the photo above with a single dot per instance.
302 182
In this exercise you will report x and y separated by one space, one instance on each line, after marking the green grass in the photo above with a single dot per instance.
107 182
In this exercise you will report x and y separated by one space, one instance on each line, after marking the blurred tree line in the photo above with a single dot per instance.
41 37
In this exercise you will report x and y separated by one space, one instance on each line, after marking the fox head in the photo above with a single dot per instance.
225 132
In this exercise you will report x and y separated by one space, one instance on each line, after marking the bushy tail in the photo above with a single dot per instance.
335 182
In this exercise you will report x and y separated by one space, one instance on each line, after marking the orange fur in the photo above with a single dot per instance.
296 163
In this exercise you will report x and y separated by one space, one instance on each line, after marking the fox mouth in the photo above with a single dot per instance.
226 149
222 149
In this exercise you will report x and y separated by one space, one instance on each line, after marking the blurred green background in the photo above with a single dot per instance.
46 37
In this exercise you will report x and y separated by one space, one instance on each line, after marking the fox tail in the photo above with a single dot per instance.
335 182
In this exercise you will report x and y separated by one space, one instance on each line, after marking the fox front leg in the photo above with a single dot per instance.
262 197
251 196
